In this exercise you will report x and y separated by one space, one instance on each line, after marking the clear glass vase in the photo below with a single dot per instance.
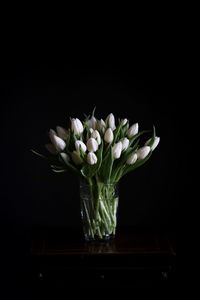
99 203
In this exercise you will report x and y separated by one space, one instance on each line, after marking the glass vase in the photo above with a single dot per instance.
99 203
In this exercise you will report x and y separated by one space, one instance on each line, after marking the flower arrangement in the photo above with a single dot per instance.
101 152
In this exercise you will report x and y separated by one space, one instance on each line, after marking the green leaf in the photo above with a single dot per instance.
106 167
93 112
134 138
70 166
67 140
151 141
59 171
57 167
117 132
124 130
38 154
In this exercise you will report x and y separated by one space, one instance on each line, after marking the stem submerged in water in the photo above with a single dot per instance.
99 204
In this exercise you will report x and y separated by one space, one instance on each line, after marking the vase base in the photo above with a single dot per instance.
104 238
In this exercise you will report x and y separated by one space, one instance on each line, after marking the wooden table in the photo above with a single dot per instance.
131 260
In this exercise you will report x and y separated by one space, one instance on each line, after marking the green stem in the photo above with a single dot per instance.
100 207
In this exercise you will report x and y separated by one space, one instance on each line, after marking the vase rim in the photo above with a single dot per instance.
85 182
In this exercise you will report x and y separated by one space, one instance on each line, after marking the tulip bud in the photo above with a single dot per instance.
65 157
131 159
51 135
92 145
133 130
62 133
58 143
91 130
117 150
110 120
92 123
143 152
91 158
95 134
101 125
108 136
80 145
125 143
76 126
124 121
155 143
51 148
76 158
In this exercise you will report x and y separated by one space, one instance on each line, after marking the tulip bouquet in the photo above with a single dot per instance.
101 152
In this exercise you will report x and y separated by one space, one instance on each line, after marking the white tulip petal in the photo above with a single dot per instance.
92 145
117 150
76 126
91 130
108 136
101 125
58 143
125 143
91 158
110 120
124 121
61 132
143 152
133 130
92 123
80 145
52 133
156 142
131 159
65 157
95 134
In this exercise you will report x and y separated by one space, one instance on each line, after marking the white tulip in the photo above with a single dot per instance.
58 143
80 145
143 152
101 125
91 158
92 123
95 134
131 159
51 148
110 120
52 133
125 143
108 136
92 145
65 157
117 150
155 143
76 158
133 130
62 133
91 130
124 121
76 126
